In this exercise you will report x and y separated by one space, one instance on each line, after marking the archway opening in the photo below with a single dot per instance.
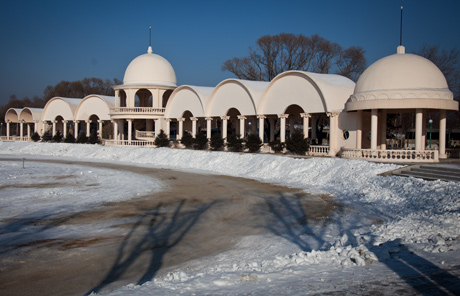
143 98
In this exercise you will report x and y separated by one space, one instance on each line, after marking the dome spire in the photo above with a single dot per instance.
401 49
149 50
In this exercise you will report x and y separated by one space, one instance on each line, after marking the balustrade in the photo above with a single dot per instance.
392 155
130 143
137 110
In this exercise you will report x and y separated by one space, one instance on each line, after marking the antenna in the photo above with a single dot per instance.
150 35
400 29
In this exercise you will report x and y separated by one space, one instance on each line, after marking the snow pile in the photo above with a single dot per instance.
404 210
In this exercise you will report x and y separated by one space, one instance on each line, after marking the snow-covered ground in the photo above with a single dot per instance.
417 234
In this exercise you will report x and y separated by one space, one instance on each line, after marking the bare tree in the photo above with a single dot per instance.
279 53
80 88
351 62
448 61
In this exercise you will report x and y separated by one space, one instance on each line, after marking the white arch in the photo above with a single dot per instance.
12 115
188 98
59 106
95 105
313 92
31 114
242 95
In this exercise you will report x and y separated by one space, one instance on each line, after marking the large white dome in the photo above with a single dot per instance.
150 69
401 71
402 81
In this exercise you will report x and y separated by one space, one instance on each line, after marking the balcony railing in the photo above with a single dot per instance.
129 143
392 155
145 134
137 110
15 138
318 150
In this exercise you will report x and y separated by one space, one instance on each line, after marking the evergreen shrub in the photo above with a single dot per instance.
297 143
200 142
187 140
253 143
47 136
235 143
217 142
69 138
161 140
35 137
277 146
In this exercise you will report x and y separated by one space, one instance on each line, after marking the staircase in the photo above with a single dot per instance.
430 172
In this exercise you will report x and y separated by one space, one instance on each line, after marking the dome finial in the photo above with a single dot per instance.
400 28
401 49
149 50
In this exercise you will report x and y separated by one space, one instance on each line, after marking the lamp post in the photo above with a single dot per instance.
431 123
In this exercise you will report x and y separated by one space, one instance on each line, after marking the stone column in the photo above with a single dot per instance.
282 118
194 120
374 126
21 129
306 118
121 126
130 130
208 127
64 128
241 118
261 126
181 128
99 130
168 127
224 127
8 128
333 131
272 128
423 130
418 129
115 129
442 134
359 129
54 128
383 129
88 127
28 130
36 122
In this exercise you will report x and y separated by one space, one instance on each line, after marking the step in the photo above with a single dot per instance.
428 176
436 172
441 169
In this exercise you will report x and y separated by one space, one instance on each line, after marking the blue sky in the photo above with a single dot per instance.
45 42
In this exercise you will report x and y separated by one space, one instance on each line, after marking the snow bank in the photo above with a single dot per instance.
406 210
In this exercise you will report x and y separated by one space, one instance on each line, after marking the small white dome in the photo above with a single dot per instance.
401 72
150 69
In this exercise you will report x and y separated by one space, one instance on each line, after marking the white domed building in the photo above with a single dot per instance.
340 117
399 83
140 102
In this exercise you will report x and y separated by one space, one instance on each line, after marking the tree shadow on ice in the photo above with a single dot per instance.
164 230
420 274
423 276
293 222
30 229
